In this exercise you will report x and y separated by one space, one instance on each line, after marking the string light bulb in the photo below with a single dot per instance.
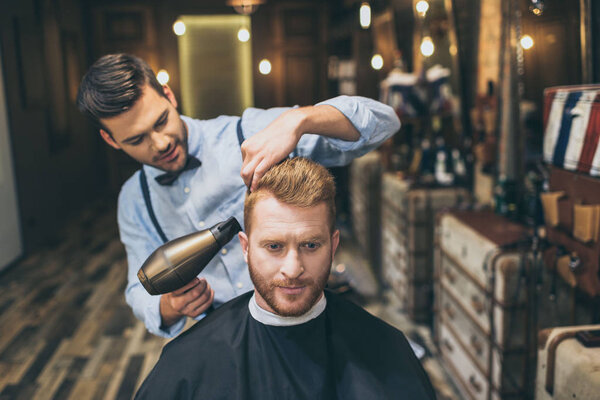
526 42
377 62
179 27
264 66
162 77
365 15
427 47
243 35
422 7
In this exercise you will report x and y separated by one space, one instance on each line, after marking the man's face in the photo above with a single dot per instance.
289 253
151 131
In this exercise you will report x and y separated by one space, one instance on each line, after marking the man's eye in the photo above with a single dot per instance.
311 245
136 141
161 122
273 246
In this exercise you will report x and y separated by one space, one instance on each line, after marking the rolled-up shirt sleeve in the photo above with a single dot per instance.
374 120
140 241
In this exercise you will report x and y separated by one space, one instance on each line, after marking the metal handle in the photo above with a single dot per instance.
476 345
477 304
449 311
476 385
447 344
450 275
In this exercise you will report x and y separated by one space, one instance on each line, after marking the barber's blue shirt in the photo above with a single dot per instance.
215 191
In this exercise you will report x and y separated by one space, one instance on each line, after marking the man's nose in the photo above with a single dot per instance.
160 141
292 265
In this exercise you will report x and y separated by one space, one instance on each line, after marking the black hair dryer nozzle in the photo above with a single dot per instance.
175 263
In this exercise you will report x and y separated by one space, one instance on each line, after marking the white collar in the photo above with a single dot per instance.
268 318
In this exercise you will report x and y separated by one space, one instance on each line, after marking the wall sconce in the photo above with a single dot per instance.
365 15
422 7
179 27
245 7
264 66
427 47
377 62
162 77
243 35
526 42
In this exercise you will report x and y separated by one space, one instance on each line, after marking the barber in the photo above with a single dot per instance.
195 172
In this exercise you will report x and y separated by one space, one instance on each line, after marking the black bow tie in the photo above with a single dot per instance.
168 178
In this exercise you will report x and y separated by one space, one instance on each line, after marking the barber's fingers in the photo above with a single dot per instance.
201 304
259 171
194 282
249 168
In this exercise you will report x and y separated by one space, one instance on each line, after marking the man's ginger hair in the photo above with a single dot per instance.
297 182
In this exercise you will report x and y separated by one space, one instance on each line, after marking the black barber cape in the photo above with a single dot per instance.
344 353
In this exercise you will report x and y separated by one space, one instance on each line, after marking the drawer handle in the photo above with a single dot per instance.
476 345
451 276
476 385
449 311
477 305
448 345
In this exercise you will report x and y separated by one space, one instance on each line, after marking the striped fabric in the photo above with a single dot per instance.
572 128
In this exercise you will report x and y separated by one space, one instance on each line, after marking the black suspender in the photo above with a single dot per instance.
146 190
146 193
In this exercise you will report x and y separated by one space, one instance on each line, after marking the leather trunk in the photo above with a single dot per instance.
566 369
482 321
365 198
408 219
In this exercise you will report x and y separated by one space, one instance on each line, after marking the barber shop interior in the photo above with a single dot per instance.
300 199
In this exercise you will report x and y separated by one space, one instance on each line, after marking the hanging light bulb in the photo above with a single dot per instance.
427 47
245 7
179 27
422 7
243 35
264 66
537 7
365 15
526 42
377 62
162 77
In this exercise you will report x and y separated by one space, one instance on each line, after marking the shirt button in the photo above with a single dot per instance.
240 285
224 251
201 224
186 189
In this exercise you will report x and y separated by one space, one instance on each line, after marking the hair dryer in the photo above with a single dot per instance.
177 262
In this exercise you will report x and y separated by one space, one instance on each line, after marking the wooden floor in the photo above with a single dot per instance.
67 333
65 329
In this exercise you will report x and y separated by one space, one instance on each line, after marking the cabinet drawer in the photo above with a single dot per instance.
509 322
470 379
466 330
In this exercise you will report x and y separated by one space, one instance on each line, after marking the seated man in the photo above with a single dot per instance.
288 339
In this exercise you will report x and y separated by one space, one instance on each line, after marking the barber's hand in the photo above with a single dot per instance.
191 300
271 145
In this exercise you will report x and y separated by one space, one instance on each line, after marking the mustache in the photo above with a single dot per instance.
291 282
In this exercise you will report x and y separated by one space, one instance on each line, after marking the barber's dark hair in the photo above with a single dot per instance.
113 84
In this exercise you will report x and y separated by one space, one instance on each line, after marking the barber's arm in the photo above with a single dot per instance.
162 315
342 128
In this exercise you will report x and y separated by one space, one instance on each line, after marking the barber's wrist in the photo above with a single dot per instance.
303 121
168 315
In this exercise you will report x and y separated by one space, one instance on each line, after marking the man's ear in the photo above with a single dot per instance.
244 243
109 139
335 241
170 95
